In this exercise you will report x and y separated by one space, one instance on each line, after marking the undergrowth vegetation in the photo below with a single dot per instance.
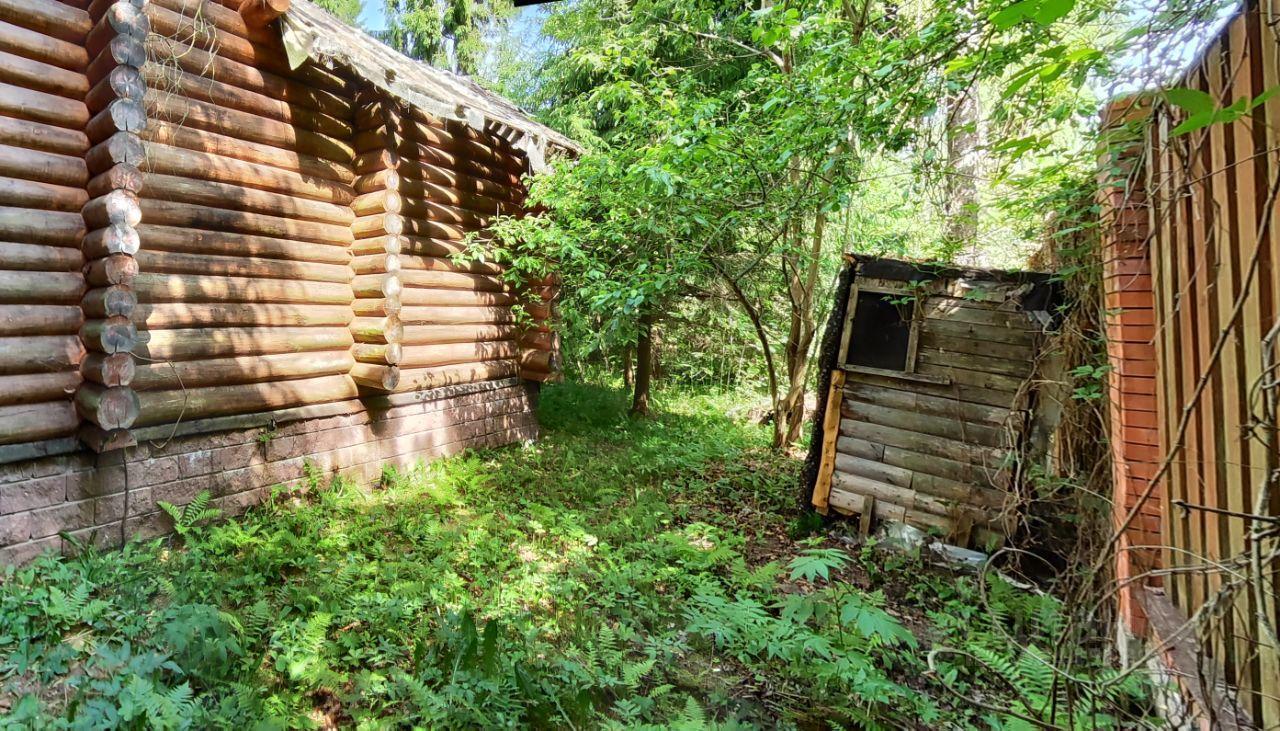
619 573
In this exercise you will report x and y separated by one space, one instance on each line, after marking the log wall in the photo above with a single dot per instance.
194 234
244 283
43 180
424 186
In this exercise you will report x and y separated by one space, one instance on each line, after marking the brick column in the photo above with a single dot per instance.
1130 323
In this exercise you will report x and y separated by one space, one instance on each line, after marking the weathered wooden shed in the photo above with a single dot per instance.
226 233
929 408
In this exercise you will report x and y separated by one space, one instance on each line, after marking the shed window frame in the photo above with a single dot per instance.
913 338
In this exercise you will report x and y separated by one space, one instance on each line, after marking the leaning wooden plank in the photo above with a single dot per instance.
195 344
872 469
906 497
830 432
1019 335
946 308
163 407
926 464
961 492
33 422
242 369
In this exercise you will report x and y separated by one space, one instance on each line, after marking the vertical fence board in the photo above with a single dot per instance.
1267 138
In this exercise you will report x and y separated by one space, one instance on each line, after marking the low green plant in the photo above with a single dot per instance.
618 574
190 516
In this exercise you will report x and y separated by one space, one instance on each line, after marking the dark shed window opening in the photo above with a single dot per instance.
880 334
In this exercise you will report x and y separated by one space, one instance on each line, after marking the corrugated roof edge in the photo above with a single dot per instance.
310 32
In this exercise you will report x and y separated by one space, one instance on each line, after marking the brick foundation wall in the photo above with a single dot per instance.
98 498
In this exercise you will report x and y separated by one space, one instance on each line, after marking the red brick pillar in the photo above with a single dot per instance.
1130 321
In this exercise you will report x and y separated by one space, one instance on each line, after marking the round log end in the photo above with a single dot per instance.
108 407
112 335
393 224
117 369
393 354
376 377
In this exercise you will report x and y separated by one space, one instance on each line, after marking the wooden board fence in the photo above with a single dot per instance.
1195 291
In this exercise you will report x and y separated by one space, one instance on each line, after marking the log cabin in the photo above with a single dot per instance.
933 404
228 239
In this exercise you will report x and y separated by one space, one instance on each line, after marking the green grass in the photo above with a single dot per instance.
619 573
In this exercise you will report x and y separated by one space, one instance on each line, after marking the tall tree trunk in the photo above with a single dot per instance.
628 376
789 412
960 209
757 324
644 366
